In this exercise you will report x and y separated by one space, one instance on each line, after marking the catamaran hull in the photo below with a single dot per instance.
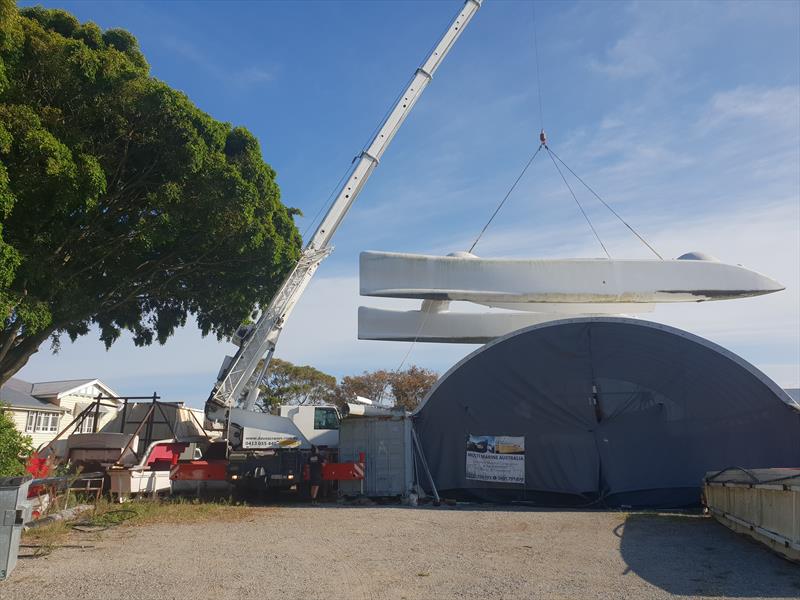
443 327
503 282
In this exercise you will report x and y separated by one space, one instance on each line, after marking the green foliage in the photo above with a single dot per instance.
14 447
373 385
410 387
286 383
404 389
122 205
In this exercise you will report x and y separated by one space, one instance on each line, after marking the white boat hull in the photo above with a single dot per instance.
444 327
503 282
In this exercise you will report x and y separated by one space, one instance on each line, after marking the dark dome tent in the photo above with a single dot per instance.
601 411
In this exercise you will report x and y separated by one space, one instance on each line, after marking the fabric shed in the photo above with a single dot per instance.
601 411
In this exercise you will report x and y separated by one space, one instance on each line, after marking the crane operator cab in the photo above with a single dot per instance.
319 424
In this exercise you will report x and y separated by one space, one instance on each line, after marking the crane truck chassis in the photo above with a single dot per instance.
282 466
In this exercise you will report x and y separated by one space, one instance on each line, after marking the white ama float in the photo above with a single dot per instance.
538 290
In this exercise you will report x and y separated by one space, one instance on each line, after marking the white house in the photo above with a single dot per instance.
43 409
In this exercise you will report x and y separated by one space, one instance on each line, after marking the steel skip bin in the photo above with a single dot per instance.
13 514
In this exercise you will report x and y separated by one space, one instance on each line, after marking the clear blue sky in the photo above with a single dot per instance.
685 116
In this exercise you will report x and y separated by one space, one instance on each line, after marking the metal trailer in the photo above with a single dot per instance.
386 442
761 503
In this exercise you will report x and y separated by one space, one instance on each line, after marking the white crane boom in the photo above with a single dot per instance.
259 342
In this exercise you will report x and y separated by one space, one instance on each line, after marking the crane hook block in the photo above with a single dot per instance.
543 138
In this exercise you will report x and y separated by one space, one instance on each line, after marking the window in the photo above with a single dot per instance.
87 425
326 418
42 422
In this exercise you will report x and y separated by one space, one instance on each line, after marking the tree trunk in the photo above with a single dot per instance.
17 357
7 339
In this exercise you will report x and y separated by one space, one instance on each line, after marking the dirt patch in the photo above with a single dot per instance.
332 552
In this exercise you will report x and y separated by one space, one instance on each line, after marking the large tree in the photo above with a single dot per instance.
122 205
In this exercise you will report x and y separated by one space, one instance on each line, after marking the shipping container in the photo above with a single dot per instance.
386 444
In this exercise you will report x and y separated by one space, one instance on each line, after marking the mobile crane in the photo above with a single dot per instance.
265 449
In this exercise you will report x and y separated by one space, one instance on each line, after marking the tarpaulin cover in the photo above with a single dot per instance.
613 411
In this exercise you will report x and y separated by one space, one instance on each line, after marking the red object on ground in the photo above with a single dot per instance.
199 470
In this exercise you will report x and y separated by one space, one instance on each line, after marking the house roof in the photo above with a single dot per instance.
17 394
55 389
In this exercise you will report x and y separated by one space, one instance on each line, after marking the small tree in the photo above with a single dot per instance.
404 389
14 447
374 385
409 387
286 383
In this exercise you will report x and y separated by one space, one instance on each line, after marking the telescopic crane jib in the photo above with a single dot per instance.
236 385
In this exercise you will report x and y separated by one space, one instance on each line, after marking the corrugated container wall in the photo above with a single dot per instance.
386 444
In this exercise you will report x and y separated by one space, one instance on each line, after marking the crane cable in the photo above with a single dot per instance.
615 213
328 201
555 157
424 319
503 201
543 136
538 76
574 197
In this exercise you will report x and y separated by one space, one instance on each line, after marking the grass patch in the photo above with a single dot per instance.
106 514
172 510
48 536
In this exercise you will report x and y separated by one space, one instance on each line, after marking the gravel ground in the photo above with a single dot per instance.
332 552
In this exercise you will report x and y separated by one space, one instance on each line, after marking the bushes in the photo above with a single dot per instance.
14 447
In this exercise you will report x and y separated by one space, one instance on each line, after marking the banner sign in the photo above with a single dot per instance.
498 458
255 439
